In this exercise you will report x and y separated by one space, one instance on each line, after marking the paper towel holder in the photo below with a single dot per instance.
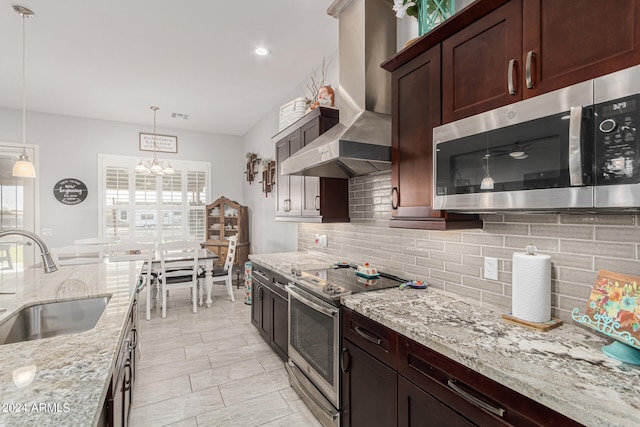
531 249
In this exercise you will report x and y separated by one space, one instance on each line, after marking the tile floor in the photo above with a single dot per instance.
210 369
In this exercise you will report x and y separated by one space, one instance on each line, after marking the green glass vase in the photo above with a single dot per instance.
432 13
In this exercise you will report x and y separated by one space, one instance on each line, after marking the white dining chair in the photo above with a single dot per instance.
97 241
178 270
227 275
138 252
77 254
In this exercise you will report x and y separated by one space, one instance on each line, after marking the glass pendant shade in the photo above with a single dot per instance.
155 168
23 168
168 170
487 183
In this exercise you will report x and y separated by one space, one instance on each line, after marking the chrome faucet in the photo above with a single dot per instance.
47 261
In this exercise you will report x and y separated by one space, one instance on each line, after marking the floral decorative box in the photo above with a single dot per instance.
614 310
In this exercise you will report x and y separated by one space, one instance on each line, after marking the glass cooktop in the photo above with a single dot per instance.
333 283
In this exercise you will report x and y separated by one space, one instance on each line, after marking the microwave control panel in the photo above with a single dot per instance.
617 149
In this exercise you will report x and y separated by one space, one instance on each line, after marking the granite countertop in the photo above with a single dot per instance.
73 371
563 369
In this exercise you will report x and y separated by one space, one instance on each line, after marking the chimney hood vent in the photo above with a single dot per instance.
360 143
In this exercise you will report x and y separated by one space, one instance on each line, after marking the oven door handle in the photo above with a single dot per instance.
307 300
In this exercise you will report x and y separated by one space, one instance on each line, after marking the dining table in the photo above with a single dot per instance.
206 260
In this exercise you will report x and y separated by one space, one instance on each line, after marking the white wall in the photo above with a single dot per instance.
69 148
268 235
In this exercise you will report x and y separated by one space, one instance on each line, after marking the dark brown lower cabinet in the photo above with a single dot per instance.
120 394
369 389
416 407
279 320
389 379
270 309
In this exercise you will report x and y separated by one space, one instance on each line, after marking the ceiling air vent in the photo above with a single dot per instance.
179 116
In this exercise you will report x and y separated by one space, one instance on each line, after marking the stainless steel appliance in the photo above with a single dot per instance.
574 148
314 334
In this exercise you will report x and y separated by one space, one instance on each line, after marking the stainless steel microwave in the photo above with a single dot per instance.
574 148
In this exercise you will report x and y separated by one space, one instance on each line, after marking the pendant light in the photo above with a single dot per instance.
155 167
487 181
23 168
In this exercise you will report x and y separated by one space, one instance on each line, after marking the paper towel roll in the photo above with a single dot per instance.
531 296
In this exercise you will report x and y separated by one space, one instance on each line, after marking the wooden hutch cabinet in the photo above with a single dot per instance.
226 218
308 198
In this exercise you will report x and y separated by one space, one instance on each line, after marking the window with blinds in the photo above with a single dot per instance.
159 208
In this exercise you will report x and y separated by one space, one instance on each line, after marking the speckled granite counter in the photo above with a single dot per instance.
563 369
72 371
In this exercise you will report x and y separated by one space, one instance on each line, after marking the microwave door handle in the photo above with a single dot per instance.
575 146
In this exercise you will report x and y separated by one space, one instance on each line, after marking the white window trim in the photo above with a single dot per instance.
130 163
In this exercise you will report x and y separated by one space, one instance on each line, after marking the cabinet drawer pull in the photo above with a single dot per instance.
260 273
472 399
528 71
366 336
134 344
395 198
344 367
127 381
510 71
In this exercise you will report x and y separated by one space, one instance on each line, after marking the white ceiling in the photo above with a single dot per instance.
113 59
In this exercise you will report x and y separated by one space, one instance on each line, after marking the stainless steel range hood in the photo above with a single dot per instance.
361 143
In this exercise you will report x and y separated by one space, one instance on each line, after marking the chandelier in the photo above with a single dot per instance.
154 166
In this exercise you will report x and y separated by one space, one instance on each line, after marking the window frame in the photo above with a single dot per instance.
184 168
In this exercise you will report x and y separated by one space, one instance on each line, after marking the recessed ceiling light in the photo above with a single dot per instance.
261 51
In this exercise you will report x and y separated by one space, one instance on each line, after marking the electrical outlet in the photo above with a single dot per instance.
321 240
491 268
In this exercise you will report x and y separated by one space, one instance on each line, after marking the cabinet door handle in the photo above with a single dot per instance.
472 399
287 205
316 202
528 71
260 293
366 336
395 198
510 71
127 382
344 367
134 344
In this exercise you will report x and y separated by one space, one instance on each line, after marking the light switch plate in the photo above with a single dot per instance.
491 268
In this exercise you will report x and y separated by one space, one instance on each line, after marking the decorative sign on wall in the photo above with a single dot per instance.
164 143
70 191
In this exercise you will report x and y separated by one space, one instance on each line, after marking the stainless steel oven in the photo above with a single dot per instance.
314 342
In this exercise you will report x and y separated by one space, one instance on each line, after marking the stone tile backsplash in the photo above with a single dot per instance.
579 246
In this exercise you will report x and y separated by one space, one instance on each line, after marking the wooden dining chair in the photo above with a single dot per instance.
178 270
227 275
138 252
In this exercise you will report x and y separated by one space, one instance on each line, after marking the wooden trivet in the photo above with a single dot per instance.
544 327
